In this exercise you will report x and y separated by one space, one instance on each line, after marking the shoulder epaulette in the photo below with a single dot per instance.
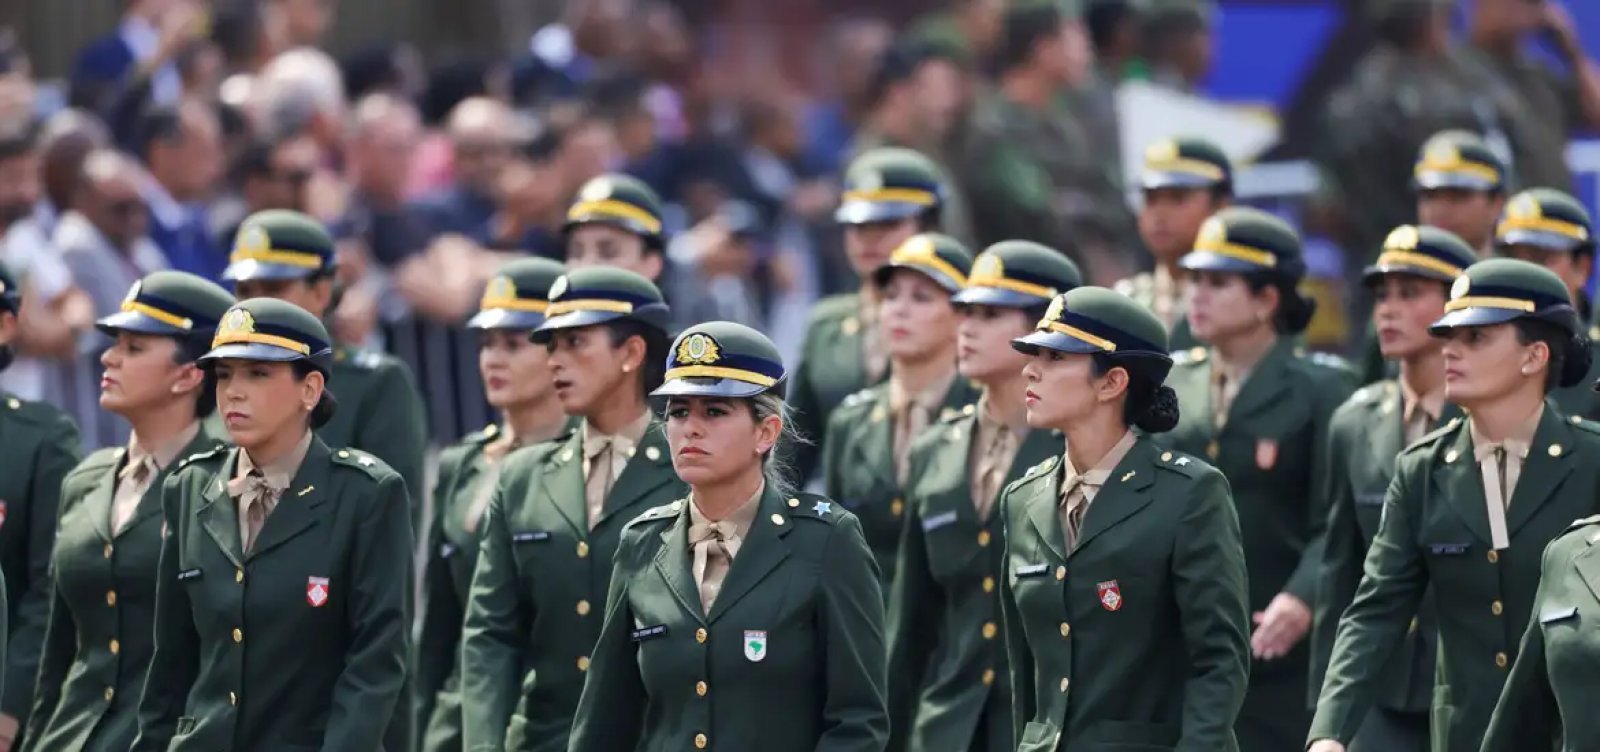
1584 424
663 512
37 413
1125 286
813 507
362 461
1190 356
1583 522
861 397
1326 360
1432 437
212 453
1040 470
957 414
98 461
1180 463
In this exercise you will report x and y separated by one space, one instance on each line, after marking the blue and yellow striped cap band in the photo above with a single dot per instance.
1464 295
165 312
1090 334
699 356
1437 173
615 211
258 256
1215 249
1527 222
239 327
884 203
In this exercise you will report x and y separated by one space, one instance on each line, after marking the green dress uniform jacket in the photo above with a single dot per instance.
1365 438
790 659
299 645
1271 449
858 465
832 367
1137 639
98 645
380 413
947 665
534 610
40 446
1550 696
1435 532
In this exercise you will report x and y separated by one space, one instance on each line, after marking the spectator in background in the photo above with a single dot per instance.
483 134
18 95
1179 46
301 23
301 92
970 27
587 146
271 175
831 122
182 148
382 145
116 76
1115 29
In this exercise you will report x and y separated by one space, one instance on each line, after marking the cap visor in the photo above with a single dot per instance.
881 275
250 269
252 351
1549 241
1372 274
1467 317
1432 181
573 320
732 388
503 318
133 321
606 219
1215 262
1155 180
1048 340
867 212
999 297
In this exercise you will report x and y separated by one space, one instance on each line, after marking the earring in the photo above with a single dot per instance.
627 368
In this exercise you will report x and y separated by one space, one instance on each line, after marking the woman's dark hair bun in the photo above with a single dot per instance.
1296 310
1578 358
1161 415
323 412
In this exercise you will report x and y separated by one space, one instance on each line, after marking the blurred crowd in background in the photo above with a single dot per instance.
188 115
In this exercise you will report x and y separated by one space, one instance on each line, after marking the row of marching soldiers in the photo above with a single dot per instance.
1040 529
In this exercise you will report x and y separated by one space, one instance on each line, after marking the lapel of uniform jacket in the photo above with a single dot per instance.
1123 494
218 515
841 346
1458 481
1196 428
874 443
1042 504
150 504
760 553
563 485
1387 435
675 565
1547 466
300 505
649 468
1587 562
1264 388
97 503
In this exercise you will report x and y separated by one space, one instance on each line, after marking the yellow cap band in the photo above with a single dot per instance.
1408 258
1082 336
894 195
1194 167
717 372
158 314
1483 171
287 258
1236 251
257 338
1567 229
1026 288
935 263
580 210
513 304
1471 301
591 304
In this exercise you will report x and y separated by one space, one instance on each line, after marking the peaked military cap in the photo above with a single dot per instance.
1546 218
279 244
621 201
1421 251
518 296
1243 239
1458 159
888 184
1019 274
1185 162
939 257
721 359
170 303
10 293
597 294
1495 291
1093 320
272 330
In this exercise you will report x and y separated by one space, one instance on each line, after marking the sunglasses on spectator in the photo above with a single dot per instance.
297 177
125 208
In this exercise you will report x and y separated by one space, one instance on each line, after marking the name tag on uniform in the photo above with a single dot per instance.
1370 499
937 521
447 550
1447 549
531 536
1557 614
649 633
189 574
1032 570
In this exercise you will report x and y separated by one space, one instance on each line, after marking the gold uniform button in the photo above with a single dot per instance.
1451 456
700 741
238 575
1166 456
116 647
700 635
1064 683
233 699
1500 660
583 663
1061 573
1066 629
583 608
1555 450
988 584
983 538
110 693
238 636
1497 608
897 507
794 503
107 551
1494 556
701 689
777 519
988 676
111 597
989 630
583 550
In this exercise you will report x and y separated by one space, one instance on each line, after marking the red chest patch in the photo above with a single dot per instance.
2 512
1110 595
317 591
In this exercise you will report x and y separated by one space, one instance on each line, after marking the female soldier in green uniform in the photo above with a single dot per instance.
943 610
1410 283
1260 411
284 586
98 645
743 617
516 379
40 446
1550 698
1125 613
867 449
558 511
1472 506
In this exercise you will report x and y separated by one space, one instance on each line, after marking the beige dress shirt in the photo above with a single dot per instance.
1501 465
992 454
715 544
1225 385
912 413
1166 296
140 469
1419 413
604 457
257 489
1079 489
874 356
